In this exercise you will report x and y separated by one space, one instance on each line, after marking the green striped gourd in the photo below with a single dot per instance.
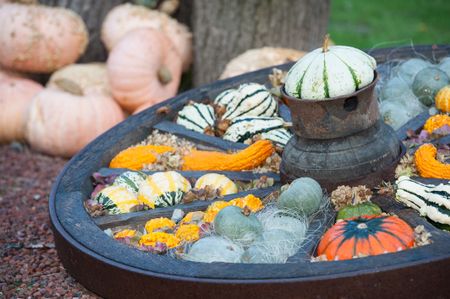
117 199
196 117
330 72
130 180
226 97
163 189
217 181
429 200
244 128
253 99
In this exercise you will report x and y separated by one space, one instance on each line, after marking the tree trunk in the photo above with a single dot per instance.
224 29
93 12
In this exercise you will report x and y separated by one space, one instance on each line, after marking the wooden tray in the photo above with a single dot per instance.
115 270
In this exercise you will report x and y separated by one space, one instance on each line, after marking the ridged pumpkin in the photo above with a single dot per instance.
40 39
143 68
125 18
117 199
61 123
367 235
163 189
442 99
330 72
15 98
427 164
435 122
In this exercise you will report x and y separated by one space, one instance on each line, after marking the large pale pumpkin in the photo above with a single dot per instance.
40 39
15 98
255 59
89 77
61 123
127 17
143 68
330 72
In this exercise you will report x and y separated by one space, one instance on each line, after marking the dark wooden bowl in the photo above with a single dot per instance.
115 270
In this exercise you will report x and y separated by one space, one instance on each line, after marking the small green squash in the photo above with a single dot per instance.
234 223
362 209
427 83
303 197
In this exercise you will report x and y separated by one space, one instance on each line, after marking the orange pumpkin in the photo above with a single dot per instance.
365 235
15 98
40 39
61 122
143 68
128 17
442 99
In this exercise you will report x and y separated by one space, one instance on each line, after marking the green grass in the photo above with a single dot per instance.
385 23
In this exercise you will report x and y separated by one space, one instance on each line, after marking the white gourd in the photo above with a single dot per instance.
243 129
226 97
429 200
196 117
253 99
330 72
217 181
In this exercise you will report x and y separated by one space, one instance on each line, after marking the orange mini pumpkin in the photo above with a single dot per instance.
143 67
365 235
442 99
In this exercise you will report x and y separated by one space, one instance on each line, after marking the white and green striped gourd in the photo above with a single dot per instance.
117 199
196 117
226 97
429 200
130 180
253 99
244 128
163 189
330 72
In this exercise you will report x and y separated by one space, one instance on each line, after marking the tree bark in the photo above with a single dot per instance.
93 12
224 29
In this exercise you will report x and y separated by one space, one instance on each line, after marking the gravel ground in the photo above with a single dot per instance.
29 265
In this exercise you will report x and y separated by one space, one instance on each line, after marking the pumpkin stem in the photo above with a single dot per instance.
246 211
28 2
69 86
164 75
326 41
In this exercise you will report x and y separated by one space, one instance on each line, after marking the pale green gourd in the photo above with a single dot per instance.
303 197
214 249
235 224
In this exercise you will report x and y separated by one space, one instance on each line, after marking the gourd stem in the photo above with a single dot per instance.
27 2
164 75
326 41
69 86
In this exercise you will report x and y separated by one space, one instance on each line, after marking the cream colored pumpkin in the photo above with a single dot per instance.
40 39
90 77
15 98
127 17
8 74
143 68
61 123
217 181
255 59
330 72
